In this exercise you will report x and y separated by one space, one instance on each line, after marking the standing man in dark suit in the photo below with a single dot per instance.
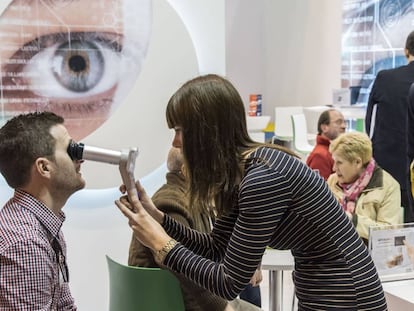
386 122
410 146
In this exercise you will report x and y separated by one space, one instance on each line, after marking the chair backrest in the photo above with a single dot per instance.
300 134
283 125
138 288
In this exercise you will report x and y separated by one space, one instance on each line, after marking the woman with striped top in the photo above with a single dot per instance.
264 196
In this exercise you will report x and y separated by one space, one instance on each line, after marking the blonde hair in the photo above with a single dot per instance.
353 145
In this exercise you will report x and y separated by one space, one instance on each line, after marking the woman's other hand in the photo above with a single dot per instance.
144 201
144 219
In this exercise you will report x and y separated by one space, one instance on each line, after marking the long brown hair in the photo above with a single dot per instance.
211 114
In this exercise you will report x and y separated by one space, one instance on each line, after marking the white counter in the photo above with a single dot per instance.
399 295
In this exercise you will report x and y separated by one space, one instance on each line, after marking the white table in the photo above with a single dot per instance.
276 261
399 295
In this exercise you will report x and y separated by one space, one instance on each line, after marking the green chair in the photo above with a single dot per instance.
142 289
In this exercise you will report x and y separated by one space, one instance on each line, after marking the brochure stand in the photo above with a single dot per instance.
392 249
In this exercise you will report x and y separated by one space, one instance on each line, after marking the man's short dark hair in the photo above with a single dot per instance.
324 118
23 139
409 44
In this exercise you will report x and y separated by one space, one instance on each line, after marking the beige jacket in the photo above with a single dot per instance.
378 204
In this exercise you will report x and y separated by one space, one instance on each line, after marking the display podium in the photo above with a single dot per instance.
392 249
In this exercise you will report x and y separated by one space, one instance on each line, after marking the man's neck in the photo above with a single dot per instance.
326 137
42 194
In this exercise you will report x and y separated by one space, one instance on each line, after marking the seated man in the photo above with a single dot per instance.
369 195
331 123
35 163
171 198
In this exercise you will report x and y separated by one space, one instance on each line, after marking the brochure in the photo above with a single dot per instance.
392 249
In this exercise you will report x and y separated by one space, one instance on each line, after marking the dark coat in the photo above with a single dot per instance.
388 129
410 148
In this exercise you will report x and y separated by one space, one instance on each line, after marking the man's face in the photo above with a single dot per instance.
65 177
336 125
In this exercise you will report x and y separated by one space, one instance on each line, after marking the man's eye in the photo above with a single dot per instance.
86 65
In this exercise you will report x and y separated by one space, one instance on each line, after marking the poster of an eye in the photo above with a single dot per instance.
373 38
75 58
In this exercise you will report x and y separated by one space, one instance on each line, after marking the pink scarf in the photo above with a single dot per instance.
352 191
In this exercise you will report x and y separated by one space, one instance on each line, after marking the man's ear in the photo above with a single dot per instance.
324 128
42 166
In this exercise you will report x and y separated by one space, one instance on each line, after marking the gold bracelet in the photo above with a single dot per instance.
162 253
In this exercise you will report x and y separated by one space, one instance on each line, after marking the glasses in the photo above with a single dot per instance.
339 122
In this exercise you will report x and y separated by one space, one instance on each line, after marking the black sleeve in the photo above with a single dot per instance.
410 124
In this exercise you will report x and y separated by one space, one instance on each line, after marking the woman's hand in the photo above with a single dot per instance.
147 229
145 201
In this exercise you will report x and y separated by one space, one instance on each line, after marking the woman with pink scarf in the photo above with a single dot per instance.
369 195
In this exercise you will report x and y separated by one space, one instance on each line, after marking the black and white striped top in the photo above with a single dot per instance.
285 205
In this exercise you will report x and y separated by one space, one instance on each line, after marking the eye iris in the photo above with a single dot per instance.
78 65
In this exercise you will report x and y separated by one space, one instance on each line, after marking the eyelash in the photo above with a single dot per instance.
23 56
30 49
96 51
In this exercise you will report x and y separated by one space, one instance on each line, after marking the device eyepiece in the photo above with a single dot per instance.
75 150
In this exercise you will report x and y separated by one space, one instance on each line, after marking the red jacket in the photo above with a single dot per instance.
320 158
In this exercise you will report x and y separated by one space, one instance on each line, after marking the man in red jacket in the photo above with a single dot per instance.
331 123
